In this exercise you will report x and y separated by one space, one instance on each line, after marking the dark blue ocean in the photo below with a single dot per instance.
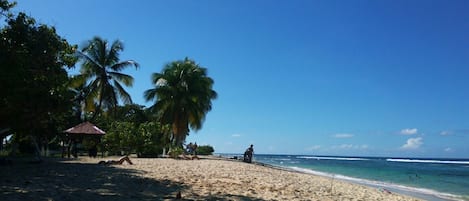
429 178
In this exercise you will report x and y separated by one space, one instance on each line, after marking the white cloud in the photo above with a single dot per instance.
350 146
343 135
236 135
412 143
312 148
445 133
345 146
409 131
448 149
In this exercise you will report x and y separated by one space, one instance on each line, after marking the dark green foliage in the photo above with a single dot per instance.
90 142
5 7
146 139
131 113
120 136
205 150
34 98
176 152
152 138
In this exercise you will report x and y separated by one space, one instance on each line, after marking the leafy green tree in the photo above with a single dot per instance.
101 71
121 136
183 94
146 139
152 139
34 98
205 150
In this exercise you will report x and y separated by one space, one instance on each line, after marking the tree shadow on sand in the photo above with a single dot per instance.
228 198
57 179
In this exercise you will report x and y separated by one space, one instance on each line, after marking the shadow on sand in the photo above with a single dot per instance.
56 179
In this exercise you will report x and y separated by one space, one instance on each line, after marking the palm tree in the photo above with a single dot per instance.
183 94
101 71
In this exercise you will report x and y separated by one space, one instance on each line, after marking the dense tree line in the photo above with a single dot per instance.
39 100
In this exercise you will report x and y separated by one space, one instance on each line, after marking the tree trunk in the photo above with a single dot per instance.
36 146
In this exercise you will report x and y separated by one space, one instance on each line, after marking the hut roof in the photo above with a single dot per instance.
85 128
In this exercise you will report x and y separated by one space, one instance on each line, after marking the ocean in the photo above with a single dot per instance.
432 179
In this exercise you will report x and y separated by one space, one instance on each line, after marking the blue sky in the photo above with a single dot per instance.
361 78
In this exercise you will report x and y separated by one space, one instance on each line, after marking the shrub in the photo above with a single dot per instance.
175 152
205 150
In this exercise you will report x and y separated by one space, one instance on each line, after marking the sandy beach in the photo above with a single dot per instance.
164 179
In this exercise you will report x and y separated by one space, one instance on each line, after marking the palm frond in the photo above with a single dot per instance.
89 64
150 94
127 80
101 67
124 64
125 97
113 53
77 81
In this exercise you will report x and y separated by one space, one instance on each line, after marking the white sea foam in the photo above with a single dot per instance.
425 161
417 192
333 158
282 159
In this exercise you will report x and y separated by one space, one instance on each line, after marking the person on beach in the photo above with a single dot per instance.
248 154
118 162
189 148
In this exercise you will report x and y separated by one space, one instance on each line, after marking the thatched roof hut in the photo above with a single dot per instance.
85 128
78 134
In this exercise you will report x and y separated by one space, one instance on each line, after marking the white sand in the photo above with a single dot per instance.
164 179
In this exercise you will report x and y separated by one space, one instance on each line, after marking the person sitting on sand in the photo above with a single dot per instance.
191 149
118 162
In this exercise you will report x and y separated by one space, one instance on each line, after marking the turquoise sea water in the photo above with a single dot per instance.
430 178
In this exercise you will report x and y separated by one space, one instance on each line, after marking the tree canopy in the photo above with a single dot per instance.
183 94
38 99
33 87
100 71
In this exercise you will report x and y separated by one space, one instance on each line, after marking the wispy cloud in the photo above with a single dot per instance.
458 132
409 131
343 135
448 149
313 148
412 143
350 146
444 133
236 135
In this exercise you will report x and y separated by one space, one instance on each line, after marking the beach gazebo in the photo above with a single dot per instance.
78 133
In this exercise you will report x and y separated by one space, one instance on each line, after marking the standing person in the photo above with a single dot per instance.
248 154
194 149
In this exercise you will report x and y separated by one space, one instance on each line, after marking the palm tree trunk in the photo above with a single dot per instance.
98 109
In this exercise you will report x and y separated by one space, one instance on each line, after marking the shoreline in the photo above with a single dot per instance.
210 178
420 193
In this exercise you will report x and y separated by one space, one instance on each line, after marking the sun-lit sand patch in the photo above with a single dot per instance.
164 179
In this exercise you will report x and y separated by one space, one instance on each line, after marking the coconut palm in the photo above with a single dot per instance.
183 94
101 71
